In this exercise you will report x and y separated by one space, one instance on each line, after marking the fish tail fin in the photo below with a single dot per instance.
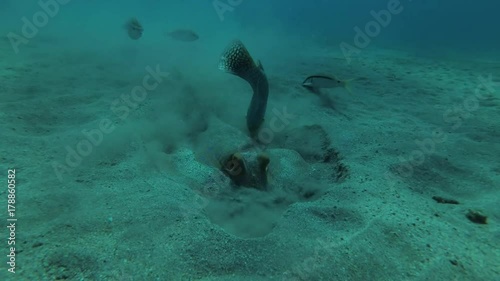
236 60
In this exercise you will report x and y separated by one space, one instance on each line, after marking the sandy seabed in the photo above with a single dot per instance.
112 186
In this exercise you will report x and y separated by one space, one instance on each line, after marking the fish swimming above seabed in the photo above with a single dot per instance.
134 29
316 82
184 35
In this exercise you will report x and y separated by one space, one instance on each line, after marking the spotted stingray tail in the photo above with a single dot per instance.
237 60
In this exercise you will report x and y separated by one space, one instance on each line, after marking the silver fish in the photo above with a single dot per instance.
316 82
184 35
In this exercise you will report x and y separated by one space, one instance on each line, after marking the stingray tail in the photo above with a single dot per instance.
237 60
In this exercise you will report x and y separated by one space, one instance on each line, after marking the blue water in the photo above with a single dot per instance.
427 24
453 24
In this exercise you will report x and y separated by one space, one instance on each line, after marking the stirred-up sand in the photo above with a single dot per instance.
112 186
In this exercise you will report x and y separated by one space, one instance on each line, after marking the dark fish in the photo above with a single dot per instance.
134 29
237 60
316 82
184 35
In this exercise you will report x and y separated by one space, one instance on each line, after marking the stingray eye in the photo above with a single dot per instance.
230 165
233 166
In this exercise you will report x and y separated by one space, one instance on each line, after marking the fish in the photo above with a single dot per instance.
134 29
184 35
316 82
236 60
